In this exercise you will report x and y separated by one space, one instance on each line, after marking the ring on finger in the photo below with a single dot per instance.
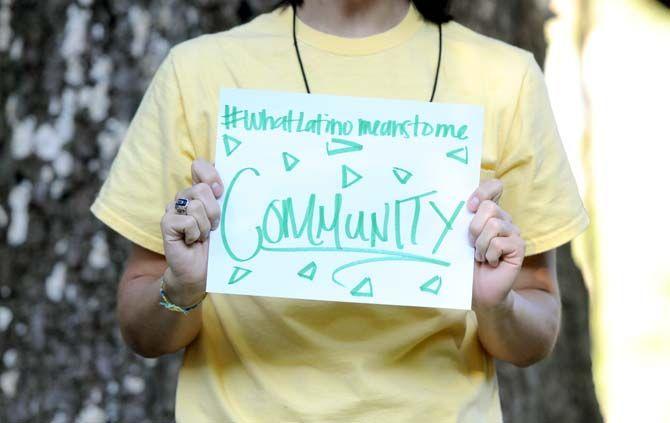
181 205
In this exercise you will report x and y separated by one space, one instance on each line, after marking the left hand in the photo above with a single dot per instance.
499 248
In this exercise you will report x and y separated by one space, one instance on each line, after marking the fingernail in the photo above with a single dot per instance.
474 202
215 225
216 187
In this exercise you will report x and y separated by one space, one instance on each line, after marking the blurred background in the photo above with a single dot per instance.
71 76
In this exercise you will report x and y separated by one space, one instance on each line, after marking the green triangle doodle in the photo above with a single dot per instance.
430 285
308 271
349 176
358 289
290 161
230 144
402 175
343 146
239 273
457 154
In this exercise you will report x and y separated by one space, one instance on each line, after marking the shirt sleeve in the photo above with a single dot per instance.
153 163
539 189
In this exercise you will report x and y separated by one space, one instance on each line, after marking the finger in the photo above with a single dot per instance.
204 172
494 227
197 210
487 210
180 226
490 190
504 246
203 193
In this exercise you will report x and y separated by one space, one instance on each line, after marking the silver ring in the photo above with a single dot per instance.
181 205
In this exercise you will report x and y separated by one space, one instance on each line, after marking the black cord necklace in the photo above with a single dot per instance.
304 75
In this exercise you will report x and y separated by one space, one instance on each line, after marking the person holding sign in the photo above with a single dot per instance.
261 358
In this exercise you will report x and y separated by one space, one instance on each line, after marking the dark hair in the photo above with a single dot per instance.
436 11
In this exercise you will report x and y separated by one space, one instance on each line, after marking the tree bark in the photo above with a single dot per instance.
71 76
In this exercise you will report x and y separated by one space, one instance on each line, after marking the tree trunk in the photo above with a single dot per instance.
71 76
560 388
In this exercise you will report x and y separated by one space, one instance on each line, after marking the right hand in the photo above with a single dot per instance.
186 237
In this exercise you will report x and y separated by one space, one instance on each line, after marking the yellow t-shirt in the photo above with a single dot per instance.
266 359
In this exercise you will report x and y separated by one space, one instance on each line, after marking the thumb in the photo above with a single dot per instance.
203 171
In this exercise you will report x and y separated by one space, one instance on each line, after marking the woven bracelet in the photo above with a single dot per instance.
166 303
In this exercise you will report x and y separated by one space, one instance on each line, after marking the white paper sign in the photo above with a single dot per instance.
345 199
